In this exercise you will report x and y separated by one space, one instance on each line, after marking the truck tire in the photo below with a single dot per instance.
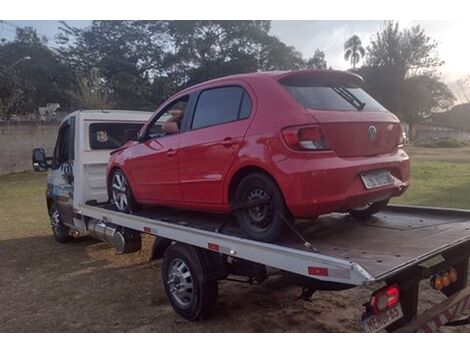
265 223
369 210
190 291
59 229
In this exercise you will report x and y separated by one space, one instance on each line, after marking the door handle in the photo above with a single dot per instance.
228 142
170 153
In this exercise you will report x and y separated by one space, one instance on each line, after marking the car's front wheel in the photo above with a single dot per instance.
368 210
121 193
266 221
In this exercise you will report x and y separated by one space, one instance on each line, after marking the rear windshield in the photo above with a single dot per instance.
107 135
322 96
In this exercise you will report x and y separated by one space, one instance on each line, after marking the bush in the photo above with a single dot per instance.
442 143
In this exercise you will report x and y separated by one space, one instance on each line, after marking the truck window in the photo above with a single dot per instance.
64 148
105 135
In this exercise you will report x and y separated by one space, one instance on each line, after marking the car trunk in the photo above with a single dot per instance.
351 133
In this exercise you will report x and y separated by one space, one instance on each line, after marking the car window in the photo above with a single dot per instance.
105 135
174 113
245 107
220 105
319 95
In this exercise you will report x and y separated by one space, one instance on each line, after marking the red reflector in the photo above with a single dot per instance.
147 229
213 247
313 270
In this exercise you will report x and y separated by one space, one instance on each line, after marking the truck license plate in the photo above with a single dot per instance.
376 323
377 179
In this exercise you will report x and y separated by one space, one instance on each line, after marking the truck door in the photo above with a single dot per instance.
60 179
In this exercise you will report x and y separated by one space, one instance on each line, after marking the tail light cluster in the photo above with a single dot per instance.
384 299
305 138
444 279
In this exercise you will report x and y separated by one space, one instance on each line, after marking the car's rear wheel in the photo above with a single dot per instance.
264 222
368 210
121 193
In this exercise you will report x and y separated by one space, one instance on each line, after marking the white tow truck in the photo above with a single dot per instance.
398 247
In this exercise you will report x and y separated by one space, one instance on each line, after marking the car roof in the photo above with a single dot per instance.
279 75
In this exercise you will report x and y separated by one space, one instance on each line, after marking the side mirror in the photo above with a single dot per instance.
132 134
39 160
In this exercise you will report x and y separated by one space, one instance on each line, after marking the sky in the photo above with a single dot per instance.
329 36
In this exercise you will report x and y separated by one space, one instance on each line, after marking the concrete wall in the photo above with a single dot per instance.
17 140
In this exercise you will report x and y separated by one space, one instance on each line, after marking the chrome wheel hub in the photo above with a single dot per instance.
119 192
180 282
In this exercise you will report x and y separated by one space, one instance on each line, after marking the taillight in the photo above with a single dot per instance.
384 299
305 138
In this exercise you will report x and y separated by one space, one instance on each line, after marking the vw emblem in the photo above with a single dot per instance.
372 132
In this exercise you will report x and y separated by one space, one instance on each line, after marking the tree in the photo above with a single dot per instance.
402 72
91 93
142 62
28 84
463 84
353 50
317 61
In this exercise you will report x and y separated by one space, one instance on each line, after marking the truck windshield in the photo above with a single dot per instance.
106 135
330 96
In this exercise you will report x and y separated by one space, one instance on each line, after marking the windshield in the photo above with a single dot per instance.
331 96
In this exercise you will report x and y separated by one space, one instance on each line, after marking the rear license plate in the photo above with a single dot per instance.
376 323
377 179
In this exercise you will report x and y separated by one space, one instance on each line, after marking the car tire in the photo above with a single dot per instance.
265 223
59 229
369 210
191 292
120 193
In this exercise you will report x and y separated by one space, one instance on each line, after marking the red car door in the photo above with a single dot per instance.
154 170
209 146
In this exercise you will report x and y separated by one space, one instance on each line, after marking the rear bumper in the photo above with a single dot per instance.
328 183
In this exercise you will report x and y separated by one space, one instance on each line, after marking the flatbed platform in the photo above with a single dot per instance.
349 251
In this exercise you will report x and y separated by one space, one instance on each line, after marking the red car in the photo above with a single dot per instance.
270 146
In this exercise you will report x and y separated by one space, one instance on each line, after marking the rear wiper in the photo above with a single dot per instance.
348 96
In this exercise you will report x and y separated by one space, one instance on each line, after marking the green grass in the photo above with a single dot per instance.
23 211
439 184
440 177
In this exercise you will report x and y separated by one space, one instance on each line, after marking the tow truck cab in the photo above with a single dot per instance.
84 138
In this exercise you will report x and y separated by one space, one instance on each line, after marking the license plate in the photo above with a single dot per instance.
377 179
376 323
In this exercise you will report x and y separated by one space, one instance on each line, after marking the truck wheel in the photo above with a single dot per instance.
187 287
368 210
265 222
59 229
121 193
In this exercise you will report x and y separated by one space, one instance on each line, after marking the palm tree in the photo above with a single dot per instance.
353 50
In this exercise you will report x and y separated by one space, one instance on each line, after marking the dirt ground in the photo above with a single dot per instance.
46 286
